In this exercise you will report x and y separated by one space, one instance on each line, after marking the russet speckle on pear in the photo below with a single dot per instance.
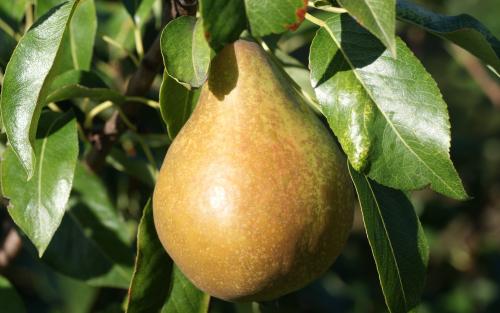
253 199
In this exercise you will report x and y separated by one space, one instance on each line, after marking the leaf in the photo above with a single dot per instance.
184 296
148 289
387 113
176 104
139 9
463 30
12 12
37 206
92 243
26 80
8 44
270 16
379 17
223 21
186 53
397 241
9 298
78 40
81 84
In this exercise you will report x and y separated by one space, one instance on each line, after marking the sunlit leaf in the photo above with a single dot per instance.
387 112
185 51
27 80
37 206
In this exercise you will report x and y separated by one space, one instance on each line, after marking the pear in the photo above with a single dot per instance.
253 199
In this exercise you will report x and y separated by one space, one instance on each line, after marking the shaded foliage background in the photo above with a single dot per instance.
464 237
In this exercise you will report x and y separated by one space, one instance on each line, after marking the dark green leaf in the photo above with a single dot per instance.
463 30
92 244
26 80
12 11
8 44
184 296
185 51
139 9
176 104
149 286
270 16
81 84
379 17
397 241
387 113
9 298
37 206
223 21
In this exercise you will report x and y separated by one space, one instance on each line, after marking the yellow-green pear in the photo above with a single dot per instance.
253 199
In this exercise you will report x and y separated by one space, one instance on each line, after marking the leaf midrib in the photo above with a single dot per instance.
389 122
393 253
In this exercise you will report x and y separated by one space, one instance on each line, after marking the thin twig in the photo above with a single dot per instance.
139 84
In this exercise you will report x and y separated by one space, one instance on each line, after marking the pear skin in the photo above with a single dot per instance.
253 199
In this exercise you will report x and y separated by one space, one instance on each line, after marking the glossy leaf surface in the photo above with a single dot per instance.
186 53
387 113
23 95
397 241
37 206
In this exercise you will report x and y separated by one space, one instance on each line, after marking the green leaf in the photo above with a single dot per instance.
9 298
81 84
92 244
387 113
148 289
37 206
27 78
223 21
379 17
12 12
185 51
8 44
462 30
139 9
176 104
78 40
270 16
397 241
184 296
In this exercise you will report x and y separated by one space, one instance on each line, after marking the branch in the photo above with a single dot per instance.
139 85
